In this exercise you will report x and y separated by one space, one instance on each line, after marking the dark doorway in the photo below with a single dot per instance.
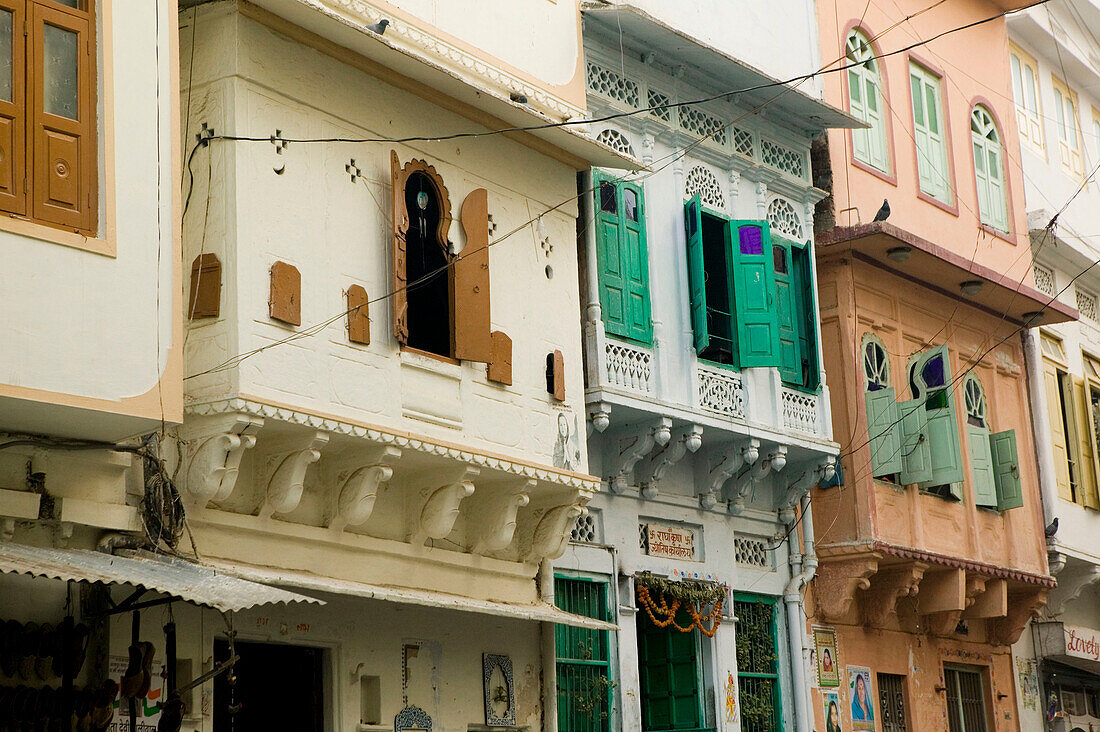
429 278
278 687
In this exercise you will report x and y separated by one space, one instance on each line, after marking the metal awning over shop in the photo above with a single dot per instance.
539 611
189 581
1069 645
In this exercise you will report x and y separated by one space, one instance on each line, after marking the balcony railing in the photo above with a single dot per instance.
628 367
721 391
801 411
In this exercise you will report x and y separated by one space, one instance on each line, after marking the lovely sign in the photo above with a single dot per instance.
1082 642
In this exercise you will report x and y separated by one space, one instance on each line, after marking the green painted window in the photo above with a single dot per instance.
989 169
865 101
583 657
965 696
994 462
928 133
623 259
758 663
896 431
796 317
671 676
883 432
930 381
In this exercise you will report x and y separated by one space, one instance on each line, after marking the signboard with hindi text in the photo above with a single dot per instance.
672 542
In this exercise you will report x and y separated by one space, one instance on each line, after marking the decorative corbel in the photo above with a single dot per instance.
359 488
287 482
714 468
802 485
942 624
441 506
1070 586
500 527
834 587
975 585
553 531
878 603
689 439
634 448
775 462
213 462
1022 607
599 417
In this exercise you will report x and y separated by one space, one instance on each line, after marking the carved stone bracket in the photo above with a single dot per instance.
212 457
1071 584
359 487
441 506
633 448
742 486
811 476
688 439
552 532
1022 607
942 624
498 518
878 603
834 588
287 481
718 464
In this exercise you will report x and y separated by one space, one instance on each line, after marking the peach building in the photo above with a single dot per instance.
931 548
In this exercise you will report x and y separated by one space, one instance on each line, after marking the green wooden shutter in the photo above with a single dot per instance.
669 669
943 427
1006 470
787 313
981 466
754 293
805 293
884 432
697 280
916 454
633 244
611 257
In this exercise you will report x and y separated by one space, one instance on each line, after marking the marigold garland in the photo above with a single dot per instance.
668 611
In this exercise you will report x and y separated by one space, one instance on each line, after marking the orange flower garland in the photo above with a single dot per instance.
668 613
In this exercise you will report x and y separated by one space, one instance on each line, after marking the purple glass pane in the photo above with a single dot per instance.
933 372
752 240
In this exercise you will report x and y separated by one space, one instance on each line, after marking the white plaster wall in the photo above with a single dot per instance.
337 232
90 325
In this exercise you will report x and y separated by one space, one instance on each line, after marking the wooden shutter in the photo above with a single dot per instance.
500 362
206 287
633 233
399 299
787 314
1006 470
943 427
62 140
883 432
754 293
611 258
670 681
555 375
471 282
285 298
1086 446
916 452
13 112
358 315
806 310
697 280
1092 497
1058 438
981 466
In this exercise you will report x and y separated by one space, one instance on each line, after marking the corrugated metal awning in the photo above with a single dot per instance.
192 582
539 611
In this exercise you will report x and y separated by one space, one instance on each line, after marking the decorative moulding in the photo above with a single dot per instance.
773 463
634 447
212 454
498 517
689 439
499 689
412 718
403 441
718 465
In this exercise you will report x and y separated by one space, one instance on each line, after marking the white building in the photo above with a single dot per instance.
707 404
1055 59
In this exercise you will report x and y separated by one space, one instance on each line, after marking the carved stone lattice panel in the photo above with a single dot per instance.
752 552
616 141
784 219
800 411
698 122
500 690
612 84
586 530
1086 304
783 158
704 183
629 367
660 103
742 142
721 391
1044 280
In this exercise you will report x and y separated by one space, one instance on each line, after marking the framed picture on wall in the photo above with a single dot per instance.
828 665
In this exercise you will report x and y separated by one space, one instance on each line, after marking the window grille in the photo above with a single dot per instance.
876 365
705 183
585 530
974 397
1044 280
757 665
784 218
891 693
1086 305
613 85
752 552
616 141
660 103
965 700
583 657
742 142
783 158
698 122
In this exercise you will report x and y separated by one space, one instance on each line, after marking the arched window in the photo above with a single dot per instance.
974 396
989 169
876 364
865 101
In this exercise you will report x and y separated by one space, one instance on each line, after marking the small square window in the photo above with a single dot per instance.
608 201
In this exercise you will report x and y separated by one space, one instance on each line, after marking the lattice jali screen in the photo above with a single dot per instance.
614 85
698 122
616 141
784 218
783 158
705 183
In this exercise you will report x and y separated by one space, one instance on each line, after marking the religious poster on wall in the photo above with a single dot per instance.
1027 673
862 696
731 697
828 666
831 702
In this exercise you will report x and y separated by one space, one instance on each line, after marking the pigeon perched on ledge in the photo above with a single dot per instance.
884 211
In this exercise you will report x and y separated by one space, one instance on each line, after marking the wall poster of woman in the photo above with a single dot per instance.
832 712
862 696
828 666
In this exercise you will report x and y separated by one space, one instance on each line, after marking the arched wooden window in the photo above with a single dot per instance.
876 364
866 101
989 169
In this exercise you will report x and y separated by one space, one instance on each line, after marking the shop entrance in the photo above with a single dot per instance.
278 687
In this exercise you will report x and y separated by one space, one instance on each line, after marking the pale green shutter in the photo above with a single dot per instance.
981 466
754 293
883 432
943 428
916 453
697 278
928 133
1006 470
